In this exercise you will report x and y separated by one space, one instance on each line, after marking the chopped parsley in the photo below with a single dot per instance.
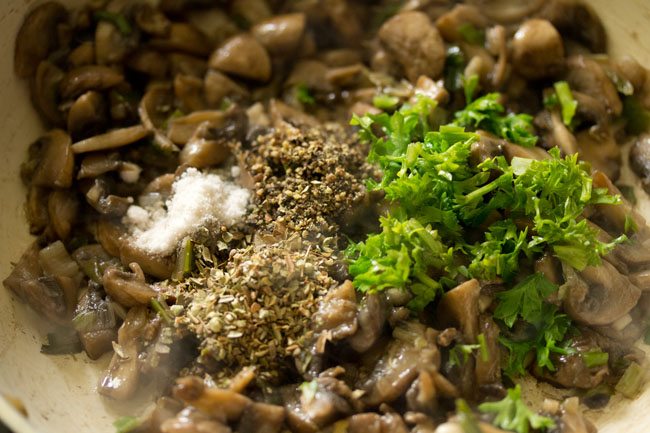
471 34
512 414
126 424
304 96
567 103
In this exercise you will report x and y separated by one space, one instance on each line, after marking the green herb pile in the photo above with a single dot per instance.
450 220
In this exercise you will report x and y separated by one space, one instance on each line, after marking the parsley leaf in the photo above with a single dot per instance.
567 101
304 96
512 414
486 112
525 300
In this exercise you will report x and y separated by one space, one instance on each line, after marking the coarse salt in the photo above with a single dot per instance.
197 198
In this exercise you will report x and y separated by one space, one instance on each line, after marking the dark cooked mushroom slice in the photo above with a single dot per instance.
599 295
85 78
371 319
99 197
128 288
151 20
577 20
186 64
189 93
110 234
422 396
251 11
44 91
202 152
588 76
450 23
182 129
244 56
615 219
182 37
261 418
149 62
152 264
337 312
95 321
36 209
459 308
415 43
111 140
488 371
96 164
82 55
221 404
56 164
601 150
123 375
88 115
537 50
217 87
37 37
413 350
63 207
154 111
640 159
281 34
112 46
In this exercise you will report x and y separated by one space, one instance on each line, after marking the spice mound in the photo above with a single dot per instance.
257 311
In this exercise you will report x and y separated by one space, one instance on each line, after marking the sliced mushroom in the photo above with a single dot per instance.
345 20
111 45
450 23
640 159
111 140
537 50
252 11
202 152
337 312
187 65
154 265
599 295
459 307
85 78
615 219
36 209
151 20
63 207
281 34
244 56
110 235
261 418
577 20
105 203
214 23
87 116
217 87
83 55
154 111
488 370
371 319
431 89
415 43
223 405
183 37
311 74
95 322
128 288
94 165
149 62
123 375
56 164
189 93
182 129
601 150
587 76
45 92
37 37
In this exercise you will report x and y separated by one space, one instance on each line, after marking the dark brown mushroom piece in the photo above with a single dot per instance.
95 322
218 88
371 320
318 404
415 43
112 45
182 129
337 312
204 149
629 69
601 150
87 116
151 20
487 147
128 288
186 64
123 376
110 234
154 110
36 209
56 162
588 76
155 265
375 423
281 34
412 350
189 93
215 23
37 37
251 11
640 159
422 396
100 198
261 418
616 219
183 37
450 23
96 164
63 208
93 260
44 91
598 295
576 20
149 62
82 55
111 140
488 370
191 420
221 404
244 56
459 308
345 18
85 78
311 74
537 50
573 419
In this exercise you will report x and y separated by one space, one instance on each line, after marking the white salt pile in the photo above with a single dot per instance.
197 198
